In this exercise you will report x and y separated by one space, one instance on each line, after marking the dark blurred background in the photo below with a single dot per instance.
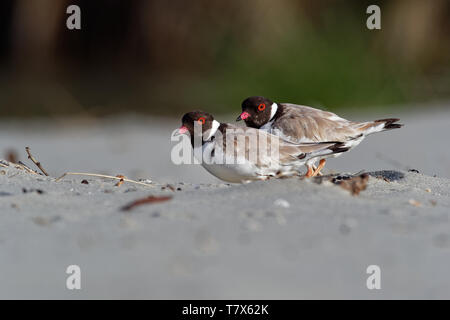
167 57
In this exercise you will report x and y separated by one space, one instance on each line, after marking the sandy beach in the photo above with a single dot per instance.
286 238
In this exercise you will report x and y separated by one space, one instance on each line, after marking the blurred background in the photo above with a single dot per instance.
164 58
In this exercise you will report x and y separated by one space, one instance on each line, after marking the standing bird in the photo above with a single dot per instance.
302 124
238 154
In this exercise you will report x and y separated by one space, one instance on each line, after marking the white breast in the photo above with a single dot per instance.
226 169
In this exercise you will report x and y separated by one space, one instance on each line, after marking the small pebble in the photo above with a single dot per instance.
281 203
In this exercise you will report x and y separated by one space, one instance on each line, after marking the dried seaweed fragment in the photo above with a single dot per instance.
147 200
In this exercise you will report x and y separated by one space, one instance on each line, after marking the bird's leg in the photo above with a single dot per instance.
315 168
310 172
319 167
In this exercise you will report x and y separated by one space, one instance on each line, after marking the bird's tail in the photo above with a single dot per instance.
379 126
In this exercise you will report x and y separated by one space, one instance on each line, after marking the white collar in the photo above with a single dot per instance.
215 125
273 110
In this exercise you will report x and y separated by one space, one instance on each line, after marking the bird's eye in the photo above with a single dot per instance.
201 120
262 106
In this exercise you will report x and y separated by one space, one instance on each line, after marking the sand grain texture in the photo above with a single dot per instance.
288 238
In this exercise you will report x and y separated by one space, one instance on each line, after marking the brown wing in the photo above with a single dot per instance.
263 148
306 124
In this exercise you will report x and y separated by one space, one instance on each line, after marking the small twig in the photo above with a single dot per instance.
19 165
37 163
27 168
101 176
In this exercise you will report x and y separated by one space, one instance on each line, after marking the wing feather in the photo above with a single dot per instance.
263 148
306 124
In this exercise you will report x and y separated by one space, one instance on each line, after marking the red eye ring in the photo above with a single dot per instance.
262 106
201 120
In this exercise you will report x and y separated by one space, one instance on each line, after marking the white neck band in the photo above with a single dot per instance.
273 110
214 127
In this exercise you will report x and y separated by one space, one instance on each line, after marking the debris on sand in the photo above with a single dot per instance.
383 178
354 184
33 159
388 175
4 164
101 176
38 191
415 203
147 200
20 165
122 177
